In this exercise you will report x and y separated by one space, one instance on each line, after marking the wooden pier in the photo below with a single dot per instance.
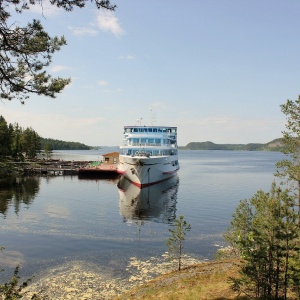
80 168
51 171
103 170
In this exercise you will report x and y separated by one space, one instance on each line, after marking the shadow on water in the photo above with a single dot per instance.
156 203
17 191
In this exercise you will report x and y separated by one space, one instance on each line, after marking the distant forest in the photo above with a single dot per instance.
275 145
62 145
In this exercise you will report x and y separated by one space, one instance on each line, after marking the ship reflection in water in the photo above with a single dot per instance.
156 203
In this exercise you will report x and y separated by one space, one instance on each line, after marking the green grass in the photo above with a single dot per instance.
203 281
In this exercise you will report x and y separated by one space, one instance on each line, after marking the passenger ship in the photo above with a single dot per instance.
149 154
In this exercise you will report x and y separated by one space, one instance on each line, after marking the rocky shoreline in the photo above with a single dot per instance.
85 280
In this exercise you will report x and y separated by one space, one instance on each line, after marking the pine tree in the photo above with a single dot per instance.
48 150
264 231
26 52
30 143
175 243
290 168
5 140
16 132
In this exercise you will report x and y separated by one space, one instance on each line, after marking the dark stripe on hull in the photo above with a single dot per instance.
143 185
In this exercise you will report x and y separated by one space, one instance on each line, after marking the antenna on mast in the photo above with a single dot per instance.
139 121
152 117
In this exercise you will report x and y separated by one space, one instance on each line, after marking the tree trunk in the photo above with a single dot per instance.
299 199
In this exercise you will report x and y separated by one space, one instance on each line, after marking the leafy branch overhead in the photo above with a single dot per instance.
25 52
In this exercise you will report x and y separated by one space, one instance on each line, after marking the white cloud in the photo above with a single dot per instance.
90 121
83 31
158 104
111 91
108 22
102 83
227 129
58 68
45 8
126 57
105 21
234 122
56 125
223 123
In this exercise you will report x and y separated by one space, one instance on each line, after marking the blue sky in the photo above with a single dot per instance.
216 69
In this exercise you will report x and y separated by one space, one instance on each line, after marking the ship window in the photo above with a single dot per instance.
159 130
150 141
135 130
149 129
154 129
144 129
157 141
136 140
143 140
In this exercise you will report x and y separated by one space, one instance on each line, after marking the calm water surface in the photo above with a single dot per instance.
48 221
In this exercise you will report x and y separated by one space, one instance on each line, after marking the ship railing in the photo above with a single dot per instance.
149 145
141 153
151 134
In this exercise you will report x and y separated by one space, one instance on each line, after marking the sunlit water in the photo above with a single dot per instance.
49 221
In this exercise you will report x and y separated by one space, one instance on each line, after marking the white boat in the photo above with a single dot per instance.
149 154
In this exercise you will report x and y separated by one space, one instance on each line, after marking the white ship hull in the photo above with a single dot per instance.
146 171
148 154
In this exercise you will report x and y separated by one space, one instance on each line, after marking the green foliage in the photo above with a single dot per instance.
17 192
265 233
19 143
275 145
290 168
63 145
16 141
68 5
12 290
5 139
27 51
30 143
16 147
48 150
175 243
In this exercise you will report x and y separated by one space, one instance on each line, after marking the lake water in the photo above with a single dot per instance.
50 221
